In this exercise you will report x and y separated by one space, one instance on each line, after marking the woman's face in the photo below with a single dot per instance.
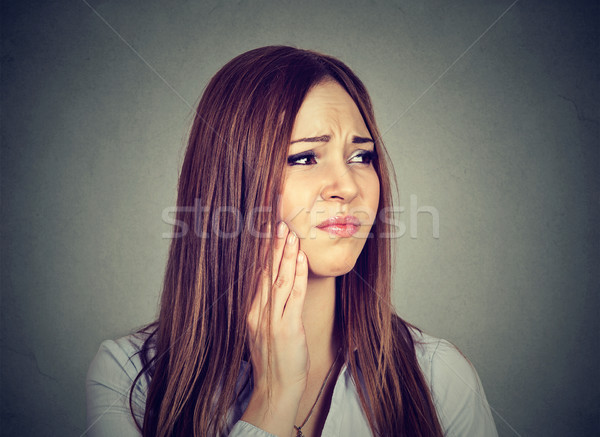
329 175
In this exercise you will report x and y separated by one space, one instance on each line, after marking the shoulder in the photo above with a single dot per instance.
455 387
109 382
122 355
117 364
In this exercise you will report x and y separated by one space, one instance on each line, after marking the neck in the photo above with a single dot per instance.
319 321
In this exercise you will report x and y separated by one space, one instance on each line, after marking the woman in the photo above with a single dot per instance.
276 315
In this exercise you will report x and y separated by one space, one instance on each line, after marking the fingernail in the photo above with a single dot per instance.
292 238
281 230
300 257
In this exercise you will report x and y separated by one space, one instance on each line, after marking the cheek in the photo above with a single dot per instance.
370 187
295 204
375 194
284 203
293 200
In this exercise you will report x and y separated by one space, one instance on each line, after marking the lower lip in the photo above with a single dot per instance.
347 230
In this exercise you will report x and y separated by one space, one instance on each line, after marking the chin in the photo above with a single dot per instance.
328 267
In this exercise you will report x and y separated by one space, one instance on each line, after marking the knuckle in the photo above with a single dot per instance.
280 282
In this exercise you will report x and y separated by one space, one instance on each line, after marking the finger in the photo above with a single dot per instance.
278 247
255 312
285 276
295 303
265 275
264 242
259 298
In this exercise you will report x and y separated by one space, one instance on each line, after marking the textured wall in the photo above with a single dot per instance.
494 128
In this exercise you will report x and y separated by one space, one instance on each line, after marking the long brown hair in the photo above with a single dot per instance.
233 169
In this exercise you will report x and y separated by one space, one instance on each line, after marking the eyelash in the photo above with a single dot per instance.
368 156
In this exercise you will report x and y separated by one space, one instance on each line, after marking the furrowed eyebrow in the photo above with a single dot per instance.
361 140
326 138
321 139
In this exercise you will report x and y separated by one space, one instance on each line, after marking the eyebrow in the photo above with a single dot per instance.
326 138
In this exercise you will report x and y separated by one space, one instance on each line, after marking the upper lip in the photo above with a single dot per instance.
338 220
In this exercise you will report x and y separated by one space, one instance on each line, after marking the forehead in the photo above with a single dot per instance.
326 107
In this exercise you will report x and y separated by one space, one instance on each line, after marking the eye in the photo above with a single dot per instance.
365 156
304 158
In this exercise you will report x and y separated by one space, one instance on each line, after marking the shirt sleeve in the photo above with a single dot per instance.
458 394
108 382
243 429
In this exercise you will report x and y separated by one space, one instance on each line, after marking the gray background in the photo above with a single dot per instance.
496 130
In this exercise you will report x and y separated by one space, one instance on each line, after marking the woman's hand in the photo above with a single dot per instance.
290 361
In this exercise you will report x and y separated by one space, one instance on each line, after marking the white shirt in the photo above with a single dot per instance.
458 395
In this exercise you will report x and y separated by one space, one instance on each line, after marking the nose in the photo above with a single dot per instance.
339 184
